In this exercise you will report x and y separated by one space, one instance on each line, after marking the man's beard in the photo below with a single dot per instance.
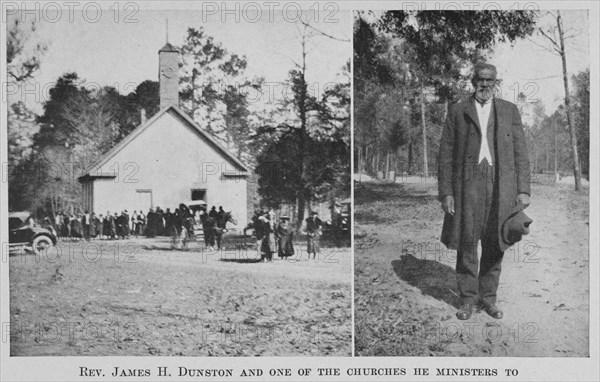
484 94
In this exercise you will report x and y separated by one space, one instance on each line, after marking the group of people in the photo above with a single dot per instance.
213 224
88 225
156 222
273 237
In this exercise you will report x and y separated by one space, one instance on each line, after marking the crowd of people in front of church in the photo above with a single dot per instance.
272 237
122 225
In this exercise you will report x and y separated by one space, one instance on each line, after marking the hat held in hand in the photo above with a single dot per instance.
515 226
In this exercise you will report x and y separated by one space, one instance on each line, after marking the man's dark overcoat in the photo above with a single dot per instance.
458 160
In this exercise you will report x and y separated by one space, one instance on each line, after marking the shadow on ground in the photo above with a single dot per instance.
242 261
431 277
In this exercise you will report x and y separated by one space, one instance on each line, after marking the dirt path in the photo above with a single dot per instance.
405 289
147 300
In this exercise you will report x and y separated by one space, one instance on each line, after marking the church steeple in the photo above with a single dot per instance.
168 74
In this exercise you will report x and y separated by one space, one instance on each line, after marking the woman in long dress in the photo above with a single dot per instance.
285 238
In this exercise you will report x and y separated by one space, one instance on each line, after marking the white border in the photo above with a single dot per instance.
548 369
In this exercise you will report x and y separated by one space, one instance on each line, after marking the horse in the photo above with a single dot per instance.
182 228
219 226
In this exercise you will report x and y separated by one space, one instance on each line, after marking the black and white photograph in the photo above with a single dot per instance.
471 183
299 190
179 181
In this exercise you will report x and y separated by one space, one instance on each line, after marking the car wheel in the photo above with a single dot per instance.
40 244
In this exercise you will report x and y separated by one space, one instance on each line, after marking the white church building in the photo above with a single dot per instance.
167 160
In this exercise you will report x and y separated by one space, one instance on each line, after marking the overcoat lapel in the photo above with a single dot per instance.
471 112
503 116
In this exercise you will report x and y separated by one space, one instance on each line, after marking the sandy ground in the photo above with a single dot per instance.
138 297
405 286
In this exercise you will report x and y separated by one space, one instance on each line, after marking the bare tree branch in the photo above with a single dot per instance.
323 33
541 45
553 41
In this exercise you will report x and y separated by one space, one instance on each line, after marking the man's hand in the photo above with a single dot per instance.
523 200
448 204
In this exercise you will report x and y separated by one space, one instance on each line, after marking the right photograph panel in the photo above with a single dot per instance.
471 183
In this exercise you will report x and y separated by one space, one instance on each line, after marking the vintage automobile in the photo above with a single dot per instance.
24 234
346 223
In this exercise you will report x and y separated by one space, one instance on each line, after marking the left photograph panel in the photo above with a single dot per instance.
178 182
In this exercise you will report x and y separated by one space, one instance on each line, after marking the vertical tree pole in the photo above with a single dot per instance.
424 128
302 197
572 132
555 151
559 48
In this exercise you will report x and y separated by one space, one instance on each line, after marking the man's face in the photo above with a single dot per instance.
484 83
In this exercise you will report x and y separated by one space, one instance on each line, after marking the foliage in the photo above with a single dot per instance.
443 43
279 170
22 52
214 89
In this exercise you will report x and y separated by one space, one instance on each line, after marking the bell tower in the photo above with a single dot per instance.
168 75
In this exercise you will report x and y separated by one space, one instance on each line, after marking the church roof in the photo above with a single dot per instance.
168 48
94 171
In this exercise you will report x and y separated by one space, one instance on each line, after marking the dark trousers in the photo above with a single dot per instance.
474 286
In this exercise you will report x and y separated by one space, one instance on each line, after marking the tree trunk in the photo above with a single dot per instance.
424 127
555 151
301 203
410 158
303 135
572 132
360 159
387 164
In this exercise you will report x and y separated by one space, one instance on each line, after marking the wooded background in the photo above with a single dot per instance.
410 66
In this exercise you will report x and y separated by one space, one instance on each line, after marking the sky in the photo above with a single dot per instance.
120 49
529 68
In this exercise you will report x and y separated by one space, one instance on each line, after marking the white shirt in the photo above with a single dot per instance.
483 113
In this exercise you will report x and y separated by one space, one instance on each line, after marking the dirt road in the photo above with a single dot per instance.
405 288
137 297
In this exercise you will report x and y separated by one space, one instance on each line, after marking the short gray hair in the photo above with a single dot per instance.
483 66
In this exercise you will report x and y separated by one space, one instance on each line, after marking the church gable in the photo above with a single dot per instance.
170 135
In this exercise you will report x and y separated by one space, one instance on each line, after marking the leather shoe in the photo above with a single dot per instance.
492 310
464 312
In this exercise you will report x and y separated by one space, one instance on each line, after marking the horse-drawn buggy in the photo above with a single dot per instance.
193 222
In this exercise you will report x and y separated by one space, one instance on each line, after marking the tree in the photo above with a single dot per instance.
144 100
374 77
307 150
214 88
21 127
556 36
22 53
442 44
581 117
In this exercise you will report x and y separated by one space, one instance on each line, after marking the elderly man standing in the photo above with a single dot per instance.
483 176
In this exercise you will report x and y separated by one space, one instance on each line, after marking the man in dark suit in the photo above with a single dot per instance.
483 175
314 230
